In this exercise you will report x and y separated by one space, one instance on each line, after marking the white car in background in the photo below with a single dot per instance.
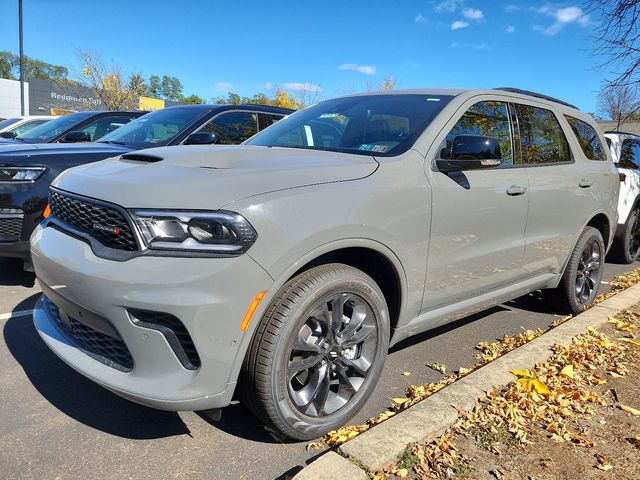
625 151
12 127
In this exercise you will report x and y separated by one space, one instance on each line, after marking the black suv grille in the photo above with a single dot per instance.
109 350
10 229
107 225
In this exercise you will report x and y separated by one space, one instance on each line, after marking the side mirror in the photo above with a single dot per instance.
470 152
201 138
76 137
8 135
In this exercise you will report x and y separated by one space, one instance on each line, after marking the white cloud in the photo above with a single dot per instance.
510 29
473 14
447 6
303 87
366 69
510 7
420 18
458 24
223 86
562 17
474 46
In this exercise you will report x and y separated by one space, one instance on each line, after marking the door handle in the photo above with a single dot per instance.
584 183
515 190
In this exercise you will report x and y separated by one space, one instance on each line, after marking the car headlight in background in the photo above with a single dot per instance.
220 232
21 174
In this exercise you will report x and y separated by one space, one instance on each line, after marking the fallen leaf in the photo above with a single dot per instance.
400 400
567 371
438 367
403 472
523 373
602 463
315 446
631 410
632 342
463 371
635 440
406 374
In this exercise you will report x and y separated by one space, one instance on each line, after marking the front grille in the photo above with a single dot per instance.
109 350
173 330
106 224
10 229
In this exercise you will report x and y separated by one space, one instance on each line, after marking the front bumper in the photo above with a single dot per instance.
209 296
29 199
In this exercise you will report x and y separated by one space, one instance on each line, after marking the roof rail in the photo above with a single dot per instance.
622 133
537 95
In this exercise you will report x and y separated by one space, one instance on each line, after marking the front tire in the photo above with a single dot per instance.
627 246
318 351
582 276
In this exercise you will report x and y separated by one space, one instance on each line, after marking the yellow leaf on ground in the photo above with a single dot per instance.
632 342
406 374
616 375
631 410
400 400
464 371
403 472
523 373
605 468
567 371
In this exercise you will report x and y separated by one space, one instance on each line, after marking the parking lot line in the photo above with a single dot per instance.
20 313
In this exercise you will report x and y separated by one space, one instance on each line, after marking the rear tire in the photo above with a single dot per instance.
626 247
318 352
581 280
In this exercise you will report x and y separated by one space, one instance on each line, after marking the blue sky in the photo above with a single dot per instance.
333 46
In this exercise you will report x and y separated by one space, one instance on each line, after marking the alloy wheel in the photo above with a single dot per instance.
331 354
588 271
634 240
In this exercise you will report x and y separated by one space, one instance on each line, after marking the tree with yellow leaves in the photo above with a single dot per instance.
106 81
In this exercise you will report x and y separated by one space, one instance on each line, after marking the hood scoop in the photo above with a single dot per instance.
141 157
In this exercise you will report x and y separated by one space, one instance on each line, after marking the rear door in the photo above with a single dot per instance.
478 216
629 164
560 189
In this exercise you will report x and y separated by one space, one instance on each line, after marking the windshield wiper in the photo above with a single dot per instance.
112 142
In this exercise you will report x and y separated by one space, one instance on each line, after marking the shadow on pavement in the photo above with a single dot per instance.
12 273
78 397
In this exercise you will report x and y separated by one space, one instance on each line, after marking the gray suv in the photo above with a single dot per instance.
284 268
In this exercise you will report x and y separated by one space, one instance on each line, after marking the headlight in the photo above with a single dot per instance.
218 232
20 174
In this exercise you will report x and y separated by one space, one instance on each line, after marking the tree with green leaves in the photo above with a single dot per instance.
192 99
33 68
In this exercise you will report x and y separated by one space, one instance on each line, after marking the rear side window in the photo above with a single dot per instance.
587 138
488 119
630 154
541 136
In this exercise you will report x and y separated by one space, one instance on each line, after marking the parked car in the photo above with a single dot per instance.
26 171
12 127
286 267
74 128
625 150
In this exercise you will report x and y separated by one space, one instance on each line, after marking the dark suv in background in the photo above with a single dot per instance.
74 128
26 171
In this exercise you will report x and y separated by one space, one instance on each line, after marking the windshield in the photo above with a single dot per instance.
9 121
155 129
382 125
48 131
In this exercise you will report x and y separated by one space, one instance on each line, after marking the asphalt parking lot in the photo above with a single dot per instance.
56 424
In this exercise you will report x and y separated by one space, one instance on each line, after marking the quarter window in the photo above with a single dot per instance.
487 119
587 138
630 154
234 127
541 136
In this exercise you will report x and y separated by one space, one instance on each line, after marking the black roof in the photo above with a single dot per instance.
536 95
242 106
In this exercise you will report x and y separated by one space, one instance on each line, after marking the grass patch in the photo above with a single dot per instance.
408 459
489 439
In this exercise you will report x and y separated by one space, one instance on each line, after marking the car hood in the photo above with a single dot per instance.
30 153
197 177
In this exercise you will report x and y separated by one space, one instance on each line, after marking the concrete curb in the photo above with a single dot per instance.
381 446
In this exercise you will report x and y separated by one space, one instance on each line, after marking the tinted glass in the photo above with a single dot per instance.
380 125
541 136
104 125
25 127
157 128
630 154
233 128
587 138
50 130
488 119
7 122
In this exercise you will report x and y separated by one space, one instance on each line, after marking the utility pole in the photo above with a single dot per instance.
21 58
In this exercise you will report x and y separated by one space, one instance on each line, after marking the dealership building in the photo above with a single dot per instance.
48 97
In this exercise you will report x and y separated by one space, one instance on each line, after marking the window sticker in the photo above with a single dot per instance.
367 147
380 148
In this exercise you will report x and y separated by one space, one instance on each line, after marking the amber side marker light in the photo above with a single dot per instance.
622 176
252 309
47 211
